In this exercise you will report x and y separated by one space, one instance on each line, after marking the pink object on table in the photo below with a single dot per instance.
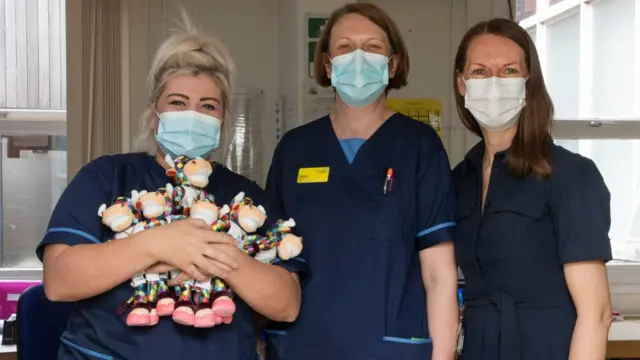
10 293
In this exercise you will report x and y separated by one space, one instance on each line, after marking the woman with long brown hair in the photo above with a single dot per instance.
533 218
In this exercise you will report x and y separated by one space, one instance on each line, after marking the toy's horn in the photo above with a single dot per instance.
102 209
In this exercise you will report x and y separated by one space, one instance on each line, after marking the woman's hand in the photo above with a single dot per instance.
191 246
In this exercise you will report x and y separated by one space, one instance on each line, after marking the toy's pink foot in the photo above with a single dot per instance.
165 309
227 319
204 321
223 307
134 319
183 318
153 317
217 319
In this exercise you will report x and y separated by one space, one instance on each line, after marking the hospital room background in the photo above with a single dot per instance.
72 87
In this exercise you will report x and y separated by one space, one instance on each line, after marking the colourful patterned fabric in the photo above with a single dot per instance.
184 292
152 291
201 295
137 299
220 288
221 226
163 289
256 243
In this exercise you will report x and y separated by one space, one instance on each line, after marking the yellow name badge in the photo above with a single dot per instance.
313 175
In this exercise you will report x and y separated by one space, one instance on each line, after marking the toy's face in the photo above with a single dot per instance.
290 246
197 172
250 217
206 211
153 204
118 217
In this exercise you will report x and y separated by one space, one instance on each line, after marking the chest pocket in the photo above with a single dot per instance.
528 204
352 204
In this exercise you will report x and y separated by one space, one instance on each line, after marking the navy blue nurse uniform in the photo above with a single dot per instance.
95 330
364 298
518 306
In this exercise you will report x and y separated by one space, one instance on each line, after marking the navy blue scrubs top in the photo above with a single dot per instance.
95 330
364 298
512 253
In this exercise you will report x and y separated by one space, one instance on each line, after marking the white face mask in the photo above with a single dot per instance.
495 102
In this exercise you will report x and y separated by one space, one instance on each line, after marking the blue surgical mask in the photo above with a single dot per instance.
359 77
188 133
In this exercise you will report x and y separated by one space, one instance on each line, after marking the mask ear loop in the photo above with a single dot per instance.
466 90
155 132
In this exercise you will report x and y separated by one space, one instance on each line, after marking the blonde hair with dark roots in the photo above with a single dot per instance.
186 52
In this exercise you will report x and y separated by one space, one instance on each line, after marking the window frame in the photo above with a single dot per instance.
623 276
546 14
35 121
38 122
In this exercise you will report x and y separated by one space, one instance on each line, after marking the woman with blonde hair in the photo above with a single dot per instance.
190 88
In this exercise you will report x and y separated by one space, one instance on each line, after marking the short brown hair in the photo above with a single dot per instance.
378 17
529 151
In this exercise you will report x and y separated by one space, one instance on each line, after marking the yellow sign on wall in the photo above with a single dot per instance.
425 110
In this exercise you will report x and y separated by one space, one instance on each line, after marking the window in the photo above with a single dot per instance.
590 53
32 128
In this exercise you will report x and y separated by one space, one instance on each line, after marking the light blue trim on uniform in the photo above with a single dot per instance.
295 258
75 232
406 341
86 351
435 228
275 332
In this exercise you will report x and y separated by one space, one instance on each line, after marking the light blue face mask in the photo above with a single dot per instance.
359 77
188 133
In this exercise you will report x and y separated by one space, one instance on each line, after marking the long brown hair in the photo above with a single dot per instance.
529 151
378 17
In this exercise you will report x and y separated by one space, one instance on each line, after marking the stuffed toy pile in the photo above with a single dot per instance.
193 303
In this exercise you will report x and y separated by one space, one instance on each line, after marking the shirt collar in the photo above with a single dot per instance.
475 155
